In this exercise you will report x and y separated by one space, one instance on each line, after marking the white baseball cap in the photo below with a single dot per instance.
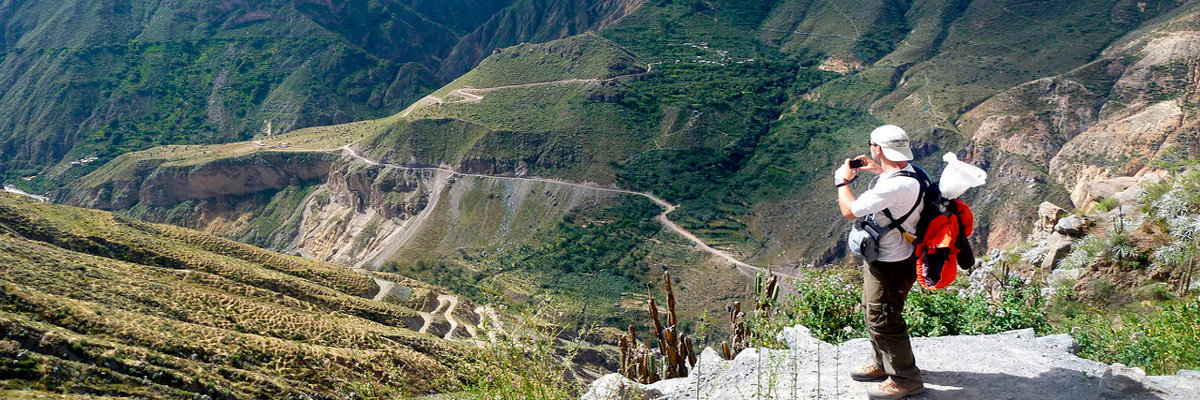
893 141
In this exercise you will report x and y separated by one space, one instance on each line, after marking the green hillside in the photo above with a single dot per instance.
81 79
99 304
739 130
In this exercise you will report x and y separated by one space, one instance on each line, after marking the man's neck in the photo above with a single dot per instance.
892 166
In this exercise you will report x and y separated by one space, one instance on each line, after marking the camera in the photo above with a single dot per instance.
856 164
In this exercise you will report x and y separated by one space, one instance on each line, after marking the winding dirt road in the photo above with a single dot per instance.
743 267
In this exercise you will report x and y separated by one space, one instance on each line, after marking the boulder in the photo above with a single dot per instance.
1121 382
1048 216
1057 247
1062 341
1107 188
615 386
1074 226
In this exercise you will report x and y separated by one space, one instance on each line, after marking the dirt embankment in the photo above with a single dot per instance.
155 183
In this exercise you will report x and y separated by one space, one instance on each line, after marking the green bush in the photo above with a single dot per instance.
1107 204
1162 341
946 312
829 304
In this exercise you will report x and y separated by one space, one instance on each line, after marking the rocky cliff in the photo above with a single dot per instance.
1128 113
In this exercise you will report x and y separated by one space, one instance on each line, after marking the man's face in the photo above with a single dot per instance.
876 154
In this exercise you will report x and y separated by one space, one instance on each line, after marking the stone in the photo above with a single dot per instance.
616 387
1104 189
1011 365
1122 382
1060 342
1073 225
798 337
1026 333
1048 215
1057 247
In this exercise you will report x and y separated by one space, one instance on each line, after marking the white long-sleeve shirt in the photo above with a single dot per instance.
898 194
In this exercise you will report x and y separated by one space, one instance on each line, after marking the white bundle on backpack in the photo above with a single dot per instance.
959 176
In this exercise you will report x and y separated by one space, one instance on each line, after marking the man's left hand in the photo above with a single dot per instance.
844 173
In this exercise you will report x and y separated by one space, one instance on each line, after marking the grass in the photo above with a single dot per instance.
134 309
585 56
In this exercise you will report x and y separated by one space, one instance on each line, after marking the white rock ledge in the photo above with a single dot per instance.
1010 365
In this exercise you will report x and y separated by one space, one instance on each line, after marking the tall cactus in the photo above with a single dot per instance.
739 337
639 362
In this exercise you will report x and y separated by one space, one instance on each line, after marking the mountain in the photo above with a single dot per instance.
89 81
513 173
599 143
375 194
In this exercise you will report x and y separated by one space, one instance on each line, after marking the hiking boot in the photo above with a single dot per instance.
868 372
890 390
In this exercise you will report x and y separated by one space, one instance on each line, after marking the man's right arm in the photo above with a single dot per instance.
845 200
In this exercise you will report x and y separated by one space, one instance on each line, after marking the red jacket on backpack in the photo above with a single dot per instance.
937 252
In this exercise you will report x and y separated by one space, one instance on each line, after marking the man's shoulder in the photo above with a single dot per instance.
900 179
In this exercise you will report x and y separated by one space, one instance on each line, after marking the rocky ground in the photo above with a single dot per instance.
1011 365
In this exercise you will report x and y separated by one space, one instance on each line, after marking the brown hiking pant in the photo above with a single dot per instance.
885 288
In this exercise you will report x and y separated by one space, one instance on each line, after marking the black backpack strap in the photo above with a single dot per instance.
920 196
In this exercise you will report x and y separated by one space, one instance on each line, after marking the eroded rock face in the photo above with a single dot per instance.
1122 145
1075 132
156 183
1012 365
169 184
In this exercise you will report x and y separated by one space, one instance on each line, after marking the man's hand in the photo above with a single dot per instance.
845 196
869 166
844 173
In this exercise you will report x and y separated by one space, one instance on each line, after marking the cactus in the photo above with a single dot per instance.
739 339
639 363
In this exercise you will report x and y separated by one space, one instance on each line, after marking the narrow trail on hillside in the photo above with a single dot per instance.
413 224
447 304
385 287
475 95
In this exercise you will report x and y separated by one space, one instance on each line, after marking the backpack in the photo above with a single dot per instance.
941 236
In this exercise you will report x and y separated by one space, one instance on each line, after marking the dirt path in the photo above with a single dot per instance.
448 304
475 95
385 287
743 267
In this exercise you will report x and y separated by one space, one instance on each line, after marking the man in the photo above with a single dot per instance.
886 282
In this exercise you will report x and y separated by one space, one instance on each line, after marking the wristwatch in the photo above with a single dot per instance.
847 182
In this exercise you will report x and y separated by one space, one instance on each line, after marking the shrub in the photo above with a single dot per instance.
829 305
1107 204
1162 341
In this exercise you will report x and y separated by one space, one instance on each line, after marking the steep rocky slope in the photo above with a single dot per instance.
1130 112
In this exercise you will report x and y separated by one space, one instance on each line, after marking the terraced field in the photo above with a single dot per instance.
98 303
